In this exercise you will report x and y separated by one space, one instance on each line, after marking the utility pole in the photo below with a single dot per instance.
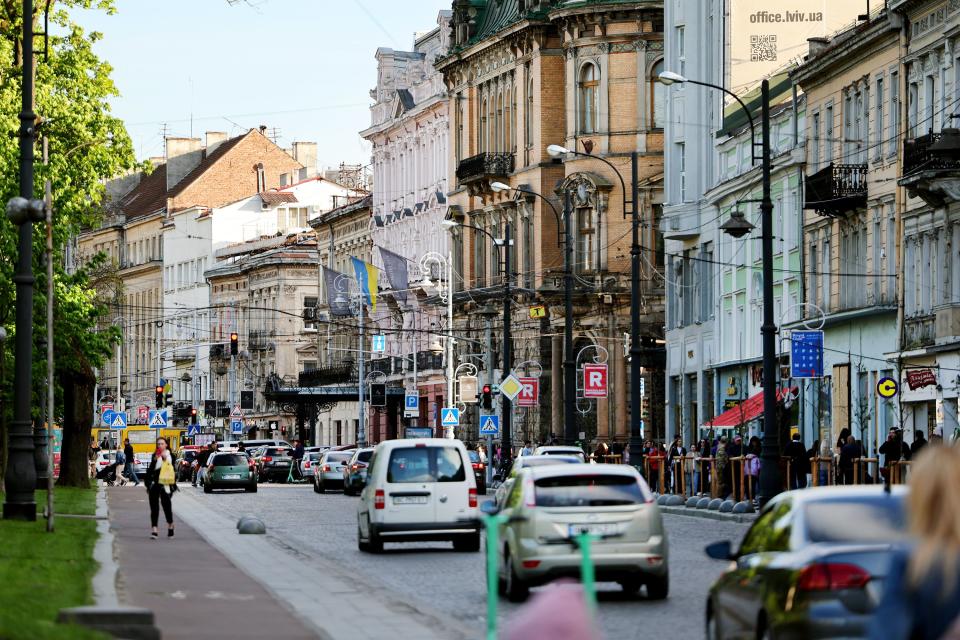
569 358
20 476
451 342
636 364
506 406
361 426
41 458
488 328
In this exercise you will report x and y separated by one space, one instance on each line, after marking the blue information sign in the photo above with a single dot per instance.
806 354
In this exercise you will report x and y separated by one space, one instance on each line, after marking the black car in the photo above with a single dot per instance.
273 464
812 565
479 470
185 465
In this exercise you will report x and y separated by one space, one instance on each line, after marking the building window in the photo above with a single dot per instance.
913 98
586 244
261 178
589 89
706 281
929 93
815 143
894 114
658 96
483 126
310 313
878 127
681 51
682 173
528 114
828 135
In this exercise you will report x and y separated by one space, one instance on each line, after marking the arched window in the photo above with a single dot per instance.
528 115
508 122
589 89
658 98
483 126
499 133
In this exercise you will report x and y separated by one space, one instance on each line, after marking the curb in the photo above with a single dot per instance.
105 580
742 518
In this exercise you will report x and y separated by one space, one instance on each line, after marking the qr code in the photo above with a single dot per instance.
763 48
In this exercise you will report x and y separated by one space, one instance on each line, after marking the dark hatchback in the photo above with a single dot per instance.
274 464
812 565
479 471
230 471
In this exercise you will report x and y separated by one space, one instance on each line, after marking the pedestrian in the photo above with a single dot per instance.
161 482
92 457
799 462
722 467
675 463
655 457
891 452
128 466
849 453
735 451
298 451
826 460
921 592
616 450
482 452
201 461
919 442
842 440
696 489
751 462
601 452
812 465
527 449
241 448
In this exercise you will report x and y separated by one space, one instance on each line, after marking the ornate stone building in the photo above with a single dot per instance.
522 76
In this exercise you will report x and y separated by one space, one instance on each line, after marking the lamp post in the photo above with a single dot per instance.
636 366
506 406
356 302
445 291
737 227
569 363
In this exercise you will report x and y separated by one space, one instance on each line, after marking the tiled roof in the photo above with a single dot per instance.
147 197
273 198
208 161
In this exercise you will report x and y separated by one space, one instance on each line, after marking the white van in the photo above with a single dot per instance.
419 490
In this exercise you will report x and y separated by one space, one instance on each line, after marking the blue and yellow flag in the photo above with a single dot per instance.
367 278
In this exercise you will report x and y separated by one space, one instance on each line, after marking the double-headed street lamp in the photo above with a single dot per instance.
445 292
737 227
636 366
355 300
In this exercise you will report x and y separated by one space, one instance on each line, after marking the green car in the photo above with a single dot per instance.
229 471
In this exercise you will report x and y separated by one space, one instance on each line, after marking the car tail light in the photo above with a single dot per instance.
267 459
306 464
326 468
531 564
530 498
378 499
472 497
831 576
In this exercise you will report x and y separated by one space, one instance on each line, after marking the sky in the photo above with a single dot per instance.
303 67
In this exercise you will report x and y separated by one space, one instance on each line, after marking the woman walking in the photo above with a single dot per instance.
161 483
921 593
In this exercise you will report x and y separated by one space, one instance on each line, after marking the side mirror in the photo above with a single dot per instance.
720 550
489 508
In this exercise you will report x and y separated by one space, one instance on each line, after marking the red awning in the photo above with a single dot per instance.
749 409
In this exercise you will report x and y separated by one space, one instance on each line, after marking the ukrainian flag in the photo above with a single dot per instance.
367 278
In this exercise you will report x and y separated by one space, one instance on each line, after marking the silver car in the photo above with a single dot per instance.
529 461
309 463
548 507
329 471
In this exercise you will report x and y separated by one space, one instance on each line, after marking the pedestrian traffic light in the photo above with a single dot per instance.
378 394
486 397
159 396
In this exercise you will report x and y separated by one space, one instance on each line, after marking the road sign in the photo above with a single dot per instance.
469 389
594 381
538 311
119 420
411 405
450 417
379 343
806 354
143 414
107 416
511 386
887 387
529 393
236 427
490 425
236 413
193 429
158 419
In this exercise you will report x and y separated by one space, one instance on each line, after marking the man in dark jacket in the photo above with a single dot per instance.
848 453
298 452
891 450
919 442
799 464
202 458
129 469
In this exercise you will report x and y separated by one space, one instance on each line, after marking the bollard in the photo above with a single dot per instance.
704 503
251 525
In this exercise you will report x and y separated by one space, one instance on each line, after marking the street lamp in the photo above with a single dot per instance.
737 227
446 295
636 350
569 363
355 299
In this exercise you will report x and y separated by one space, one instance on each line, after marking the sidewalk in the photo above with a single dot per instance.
192 588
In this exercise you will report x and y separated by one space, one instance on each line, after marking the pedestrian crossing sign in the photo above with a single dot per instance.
119 420
158 419
450 416
193 429
490 425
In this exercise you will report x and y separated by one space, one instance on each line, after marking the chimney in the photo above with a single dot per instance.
816 45
214 140
306 154
183 156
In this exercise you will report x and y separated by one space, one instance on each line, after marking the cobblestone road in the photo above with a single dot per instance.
434 576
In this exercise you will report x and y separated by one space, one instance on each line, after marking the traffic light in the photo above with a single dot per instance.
168 399
210 408
159 396
486 397
234 343
193 414
378 394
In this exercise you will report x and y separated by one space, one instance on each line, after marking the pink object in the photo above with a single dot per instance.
557 613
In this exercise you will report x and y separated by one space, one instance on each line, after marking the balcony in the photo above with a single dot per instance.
931 167
477 172
836 189
259 340
331 374
427 360
219 351
919 331
381 365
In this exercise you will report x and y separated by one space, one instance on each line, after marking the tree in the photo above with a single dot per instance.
87 146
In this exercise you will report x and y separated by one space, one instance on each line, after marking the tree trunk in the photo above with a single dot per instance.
77 421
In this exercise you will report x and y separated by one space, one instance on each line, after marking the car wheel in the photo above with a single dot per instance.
516 589
374 540
469 542
361 545
347 491
658 587
251 489
207 487
316 488
713 626
321 488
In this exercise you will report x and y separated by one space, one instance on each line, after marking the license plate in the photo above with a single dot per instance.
410 500
604 529
231 476
281 464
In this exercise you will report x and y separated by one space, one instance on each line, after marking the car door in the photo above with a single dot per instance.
366 497
410 487
454 478
729 590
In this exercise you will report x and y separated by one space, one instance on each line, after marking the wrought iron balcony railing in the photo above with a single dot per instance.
484 166
836 189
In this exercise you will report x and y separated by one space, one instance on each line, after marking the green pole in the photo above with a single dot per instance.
587 573
492 525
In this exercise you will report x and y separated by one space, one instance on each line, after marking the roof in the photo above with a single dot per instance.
748 410
273 198
208 160
147 197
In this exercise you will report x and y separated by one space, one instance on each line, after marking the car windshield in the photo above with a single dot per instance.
189 455
364 456
229 460
277 451
859 520
425 464
474 456
314 456
541 462
339 457
588 491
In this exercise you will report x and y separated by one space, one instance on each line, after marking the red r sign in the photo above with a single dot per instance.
594 381
529 395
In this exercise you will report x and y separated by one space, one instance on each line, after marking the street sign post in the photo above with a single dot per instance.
143 414
806 354
594 381
450 417
104 410
236 427
193 429
490 425
119 420
411 405
511 387
378 343
158 419
529 393
236 413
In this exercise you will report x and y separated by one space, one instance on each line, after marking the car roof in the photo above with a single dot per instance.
548 471
419 442
557 447
838 492
524 460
